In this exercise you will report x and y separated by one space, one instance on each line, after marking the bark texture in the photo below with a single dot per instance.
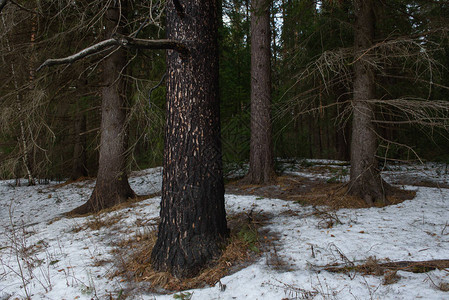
261 162
112 186
365 179
193 219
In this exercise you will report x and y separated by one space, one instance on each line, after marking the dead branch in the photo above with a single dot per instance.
116 40
407 266
83 53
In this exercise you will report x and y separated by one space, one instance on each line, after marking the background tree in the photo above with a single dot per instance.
365 179
193 219
112 186
261 160
62 96
402 55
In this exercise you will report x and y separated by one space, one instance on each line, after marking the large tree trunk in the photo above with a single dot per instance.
193 219
261 162
112 186
365 179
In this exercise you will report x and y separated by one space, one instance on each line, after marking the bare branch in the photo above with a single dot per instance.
155 87
117 40
83 53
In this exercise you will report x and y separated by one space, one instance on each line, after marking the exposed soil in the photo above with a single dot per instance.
283 188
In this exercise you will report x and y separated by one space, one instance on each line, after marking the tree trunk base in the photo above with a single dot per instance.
370 191
107 198
188 263
265 177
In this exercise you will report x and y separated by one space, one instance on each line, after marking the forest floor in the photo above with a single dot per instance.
300 237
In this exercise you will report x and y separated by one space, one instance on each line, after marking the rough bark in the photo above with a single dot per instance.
365 178
261 162
193 219
112 186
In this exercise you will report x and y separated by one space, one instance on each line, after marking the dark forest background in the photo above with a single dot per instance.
50 120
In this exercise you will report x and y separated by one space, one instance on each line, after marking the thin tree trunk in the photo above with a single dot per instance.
365 179
341 140
274 46
31 161
317 133
193 218
310 126
79 165
23 145
343 129
261 161
112 186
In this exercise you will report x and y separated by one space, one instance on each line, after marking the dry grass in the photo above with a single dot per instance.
371 267
281 188
239 252
389 269
97 222
131 202
390 277
313 192
83 180
276 261
335 196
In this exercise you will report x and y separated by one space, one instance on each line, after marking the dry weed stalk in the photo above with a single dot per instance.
294 292
27 265
329 218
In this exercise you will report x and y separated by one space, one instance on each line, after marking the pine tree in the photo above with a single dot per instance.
193 219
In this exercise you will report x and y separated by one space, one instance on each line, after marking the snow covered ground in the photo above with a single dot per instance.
47 256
